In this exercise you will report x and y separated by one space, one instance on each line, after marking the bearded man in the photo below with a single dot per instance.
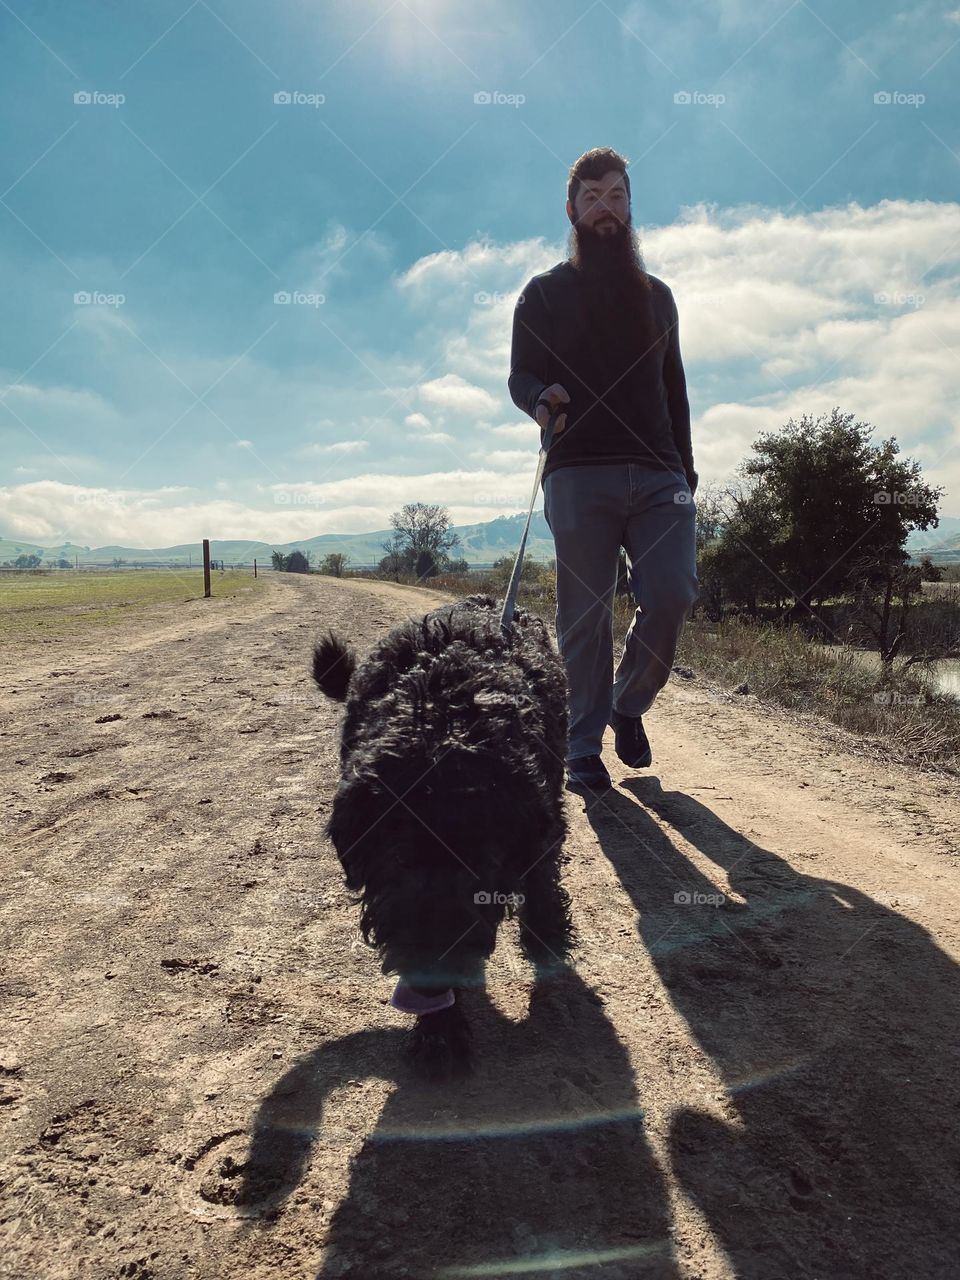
598 335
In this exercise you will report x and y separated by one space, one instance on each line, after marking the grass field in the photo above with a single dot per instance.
41 605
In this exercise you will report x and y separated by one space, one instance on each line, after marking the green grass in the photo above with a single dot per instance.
42 605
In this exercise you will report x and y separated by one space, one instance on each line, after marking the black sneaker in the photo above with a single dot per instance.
632 746
588 771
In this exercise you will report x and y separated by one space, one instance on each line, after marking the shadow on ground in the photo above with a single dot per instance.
833 1020
538 1163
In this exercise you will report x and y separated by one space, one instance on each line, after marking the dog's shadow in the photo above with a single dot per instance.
832 1020
538 1162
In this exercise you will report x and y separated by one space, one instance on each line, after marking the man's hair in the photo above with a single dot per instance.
594 164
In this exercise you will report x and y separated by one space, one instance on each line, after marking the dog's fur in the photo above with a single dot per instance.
452 765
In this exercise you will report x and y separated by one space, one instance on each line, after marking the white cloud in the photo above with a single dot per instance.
509 460
778 316
454 395
50 511
479 266
315 268
337 447
526 433
26 397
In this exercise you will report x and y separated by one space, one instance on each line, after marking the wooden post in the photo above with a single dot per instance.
206 568
254 568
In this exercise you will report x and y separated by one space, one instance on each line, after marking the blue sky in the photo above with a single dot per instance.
810 233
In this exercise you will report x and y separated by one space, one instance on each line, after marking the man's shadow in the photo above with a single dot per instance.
537 1163
832 1020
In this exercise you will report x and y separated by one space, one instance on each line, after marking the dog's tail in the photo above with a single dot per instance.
334 662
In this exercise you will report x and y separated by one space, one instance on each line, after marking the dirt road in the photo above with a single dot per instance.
198 1064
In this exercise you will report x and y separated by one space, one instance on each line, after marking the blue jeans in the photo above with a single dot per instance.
592 511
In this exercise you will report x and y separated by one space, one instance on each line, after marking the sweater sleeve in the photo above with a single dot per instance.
676 386
530 348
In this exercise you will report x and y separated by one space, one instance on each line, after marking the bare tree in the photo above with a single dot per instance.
422 538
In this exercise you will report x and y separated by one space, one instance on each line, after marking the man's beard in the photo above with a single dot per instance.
617 296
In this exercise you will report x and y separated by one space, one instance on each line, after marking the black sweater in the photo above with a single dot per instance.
644 417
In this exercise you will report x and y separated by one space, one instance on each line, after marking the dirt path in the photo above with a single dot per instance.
198 1072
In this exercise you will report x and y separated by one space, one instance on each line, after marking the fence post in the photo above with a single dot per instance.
206 568
254 568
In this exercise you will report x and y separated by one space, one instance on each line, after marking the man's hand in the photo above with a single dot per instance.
554 396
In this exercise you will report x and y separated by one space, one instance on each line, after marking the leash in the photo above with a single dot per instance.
509 604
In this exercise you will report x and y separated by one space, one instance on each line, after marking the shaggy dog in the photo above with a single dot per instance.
449 807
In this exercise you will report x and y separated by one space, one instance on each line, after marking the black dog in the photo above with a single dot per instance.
449 808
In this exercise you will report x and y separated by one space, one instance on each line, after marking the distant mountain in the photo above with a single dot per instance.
481 544
942 542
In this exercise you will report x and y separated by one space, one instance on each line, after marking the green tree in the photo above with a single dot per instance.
392 564
425 565
736 566
834 503
334 564
298 562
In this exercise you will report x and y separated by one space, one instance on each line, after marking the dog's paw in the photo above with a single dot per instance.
438 1045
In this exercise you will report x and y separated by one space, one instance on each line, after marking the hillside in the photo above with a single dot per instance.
480 544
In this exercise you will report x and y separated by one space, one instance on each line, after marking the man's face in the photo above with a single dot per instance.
601 204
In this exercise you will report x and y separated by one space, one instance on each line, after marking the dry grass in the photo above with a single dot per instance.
899 716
